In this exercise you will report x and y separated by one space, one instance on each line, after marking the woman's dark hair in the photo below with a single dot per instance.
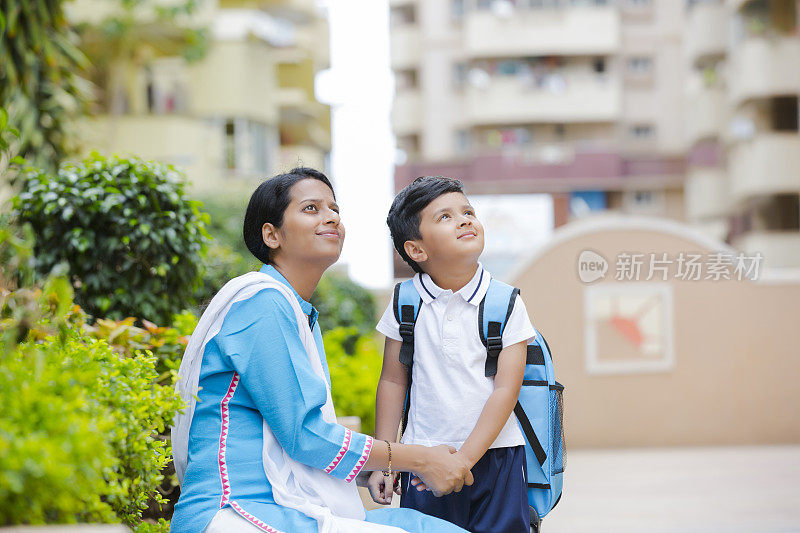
403 219
269 202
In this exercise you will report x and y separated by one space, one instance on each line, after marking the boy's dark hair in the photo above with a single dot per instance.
403 219
268 204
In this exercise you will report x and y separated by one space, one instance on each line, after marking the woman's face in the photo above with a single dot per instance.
312 230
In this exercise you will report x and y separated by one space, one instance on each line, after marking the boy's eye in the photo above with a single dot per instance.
445 215
469 212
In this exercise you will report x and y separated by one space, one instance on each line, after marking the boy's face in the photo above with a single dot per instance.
450 232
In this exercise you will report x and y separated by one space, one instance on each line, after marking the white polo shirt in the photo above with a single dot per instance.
449 388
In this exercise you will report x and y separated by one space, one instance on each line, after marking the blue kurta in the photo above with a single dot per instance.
256 367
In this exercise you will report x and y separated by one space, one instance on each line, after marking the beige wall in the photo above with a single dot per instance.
225 83
734 378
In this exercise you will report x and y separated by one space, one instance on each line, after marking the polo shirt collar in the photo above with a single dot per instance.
305 306
473 292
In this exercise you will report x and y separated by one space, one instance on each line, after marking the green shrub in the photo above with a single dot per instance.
342 302
354 361
131 238
221 264
80 424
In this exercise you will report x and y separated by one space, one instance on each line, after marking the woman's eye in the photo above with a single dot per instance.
444 216
470 213
310 207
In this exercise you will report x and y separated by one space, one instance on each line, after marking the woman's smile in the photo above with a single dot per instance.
330 234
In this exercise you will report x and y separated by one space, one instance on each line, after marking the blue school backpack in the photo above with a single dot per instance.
539 409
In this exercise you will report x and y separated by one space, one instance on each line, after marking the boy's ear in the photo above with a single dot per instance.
415 251
270 235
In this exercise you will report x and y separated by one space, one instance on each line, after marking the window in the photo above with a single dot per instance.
406 79
640 65
599 65
642 131
457 10
644 202
402 15
463 141
460 75
784 113
249 146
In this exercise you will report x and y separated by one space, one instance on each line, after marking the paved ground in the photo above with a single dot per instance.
732 489
754 489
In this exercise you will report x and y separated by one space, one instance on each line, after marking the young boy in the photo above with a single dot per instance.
435 230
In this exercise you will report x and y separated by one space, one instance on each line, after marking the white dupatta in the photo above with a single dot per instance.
333 503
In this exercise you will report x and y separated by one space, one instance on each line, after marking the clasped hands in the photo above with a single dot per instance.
443 470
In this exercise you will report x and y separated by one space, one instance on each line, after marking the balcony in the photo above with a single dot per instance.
779 248
192 144
542 31
511 100
706 114
764 67
407 113
706 193
405 46
706 33
767 164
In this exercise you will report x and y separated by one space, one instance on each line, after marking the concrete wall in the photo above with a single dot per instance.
735 357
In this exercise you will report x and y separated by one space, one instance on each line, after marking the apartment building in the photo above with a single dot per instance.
244 111
764 164
684 110
580 99
744 155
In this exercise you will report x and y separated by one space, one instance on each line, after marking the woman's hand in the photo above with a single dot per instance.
378 490
445 470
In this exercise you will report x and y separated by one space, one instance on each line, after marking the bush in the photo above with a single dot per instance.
221 264
342 302
131 238
354 361
79 424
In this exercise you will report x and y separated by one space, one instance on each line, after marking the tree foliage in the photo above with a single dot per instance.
41 83
131 238
342 302
354 362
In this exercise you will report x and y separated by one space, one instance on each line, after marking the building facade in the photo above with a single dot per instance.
244 111
742 127
631 106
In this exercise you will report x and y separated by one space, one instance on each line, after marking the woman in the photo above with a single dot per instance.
258 447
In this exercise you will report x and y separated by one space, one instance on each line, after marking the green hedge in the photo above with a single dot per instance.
132 239
80 424
354 361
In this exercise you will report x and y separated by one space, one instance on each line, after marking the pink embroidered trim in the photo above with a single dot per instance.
223 440
345 446
362 461
252 519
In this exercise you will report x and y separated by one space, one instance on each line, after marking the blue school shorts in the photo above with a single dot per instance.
497 502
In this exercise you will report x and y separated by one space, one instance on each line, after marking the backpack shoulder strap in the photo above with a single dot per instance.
407 303
493 313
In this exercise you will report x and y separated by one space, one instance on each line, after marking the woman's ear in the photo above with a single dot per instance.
415 251
269 234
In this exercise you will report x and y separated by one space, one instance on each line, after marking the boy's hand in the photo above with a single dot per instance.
378 487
